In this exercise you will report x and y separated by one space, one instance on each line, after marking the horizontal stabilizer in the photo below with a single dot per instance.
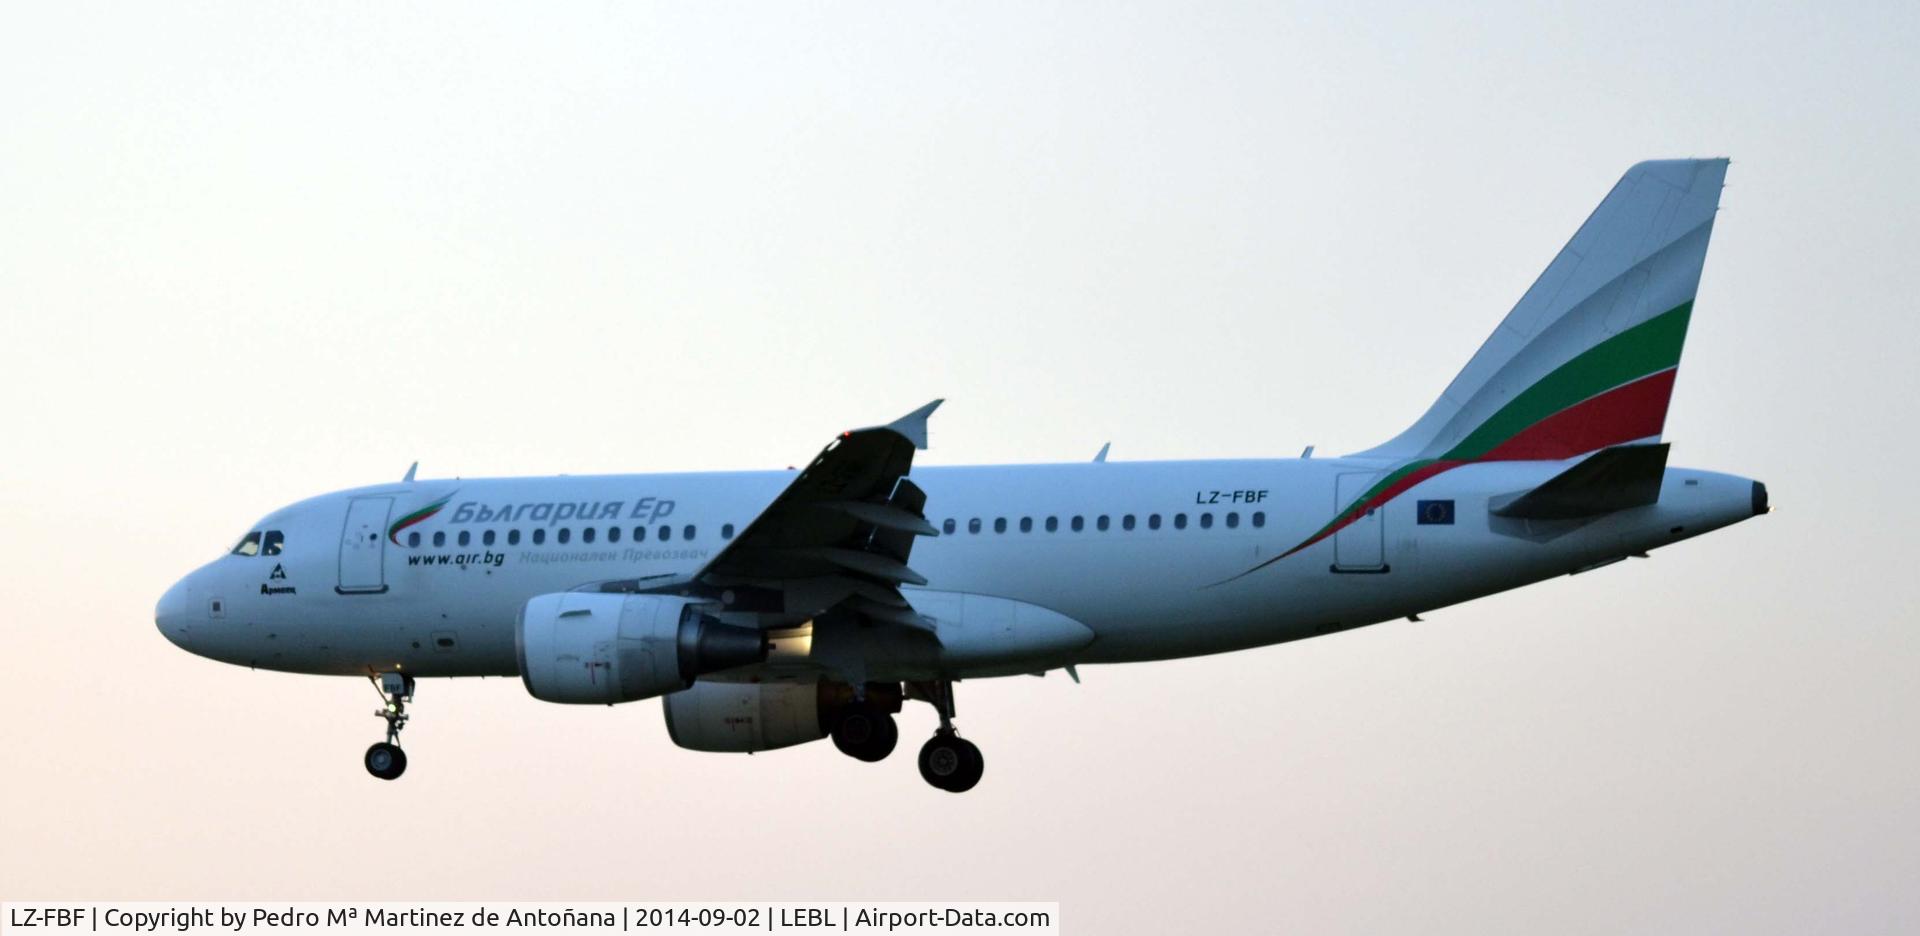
1611 479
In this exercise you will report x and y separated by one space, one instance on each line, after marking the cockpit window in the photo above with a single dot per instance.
272 544
249 545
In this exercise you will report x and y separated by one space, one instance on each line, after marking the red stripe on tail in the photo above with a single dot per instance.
1630 411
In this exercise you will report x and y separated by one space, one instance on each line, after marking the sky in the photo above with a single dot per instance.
251 252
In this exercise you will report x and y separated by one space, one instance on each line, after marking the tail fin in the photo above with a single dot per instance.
1586 360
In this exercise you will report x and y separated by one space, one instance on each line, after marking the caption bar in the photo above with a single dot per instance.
903 918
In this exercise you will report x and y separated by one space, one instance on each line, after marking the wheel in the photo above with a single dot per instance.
386 761
866 734
951 763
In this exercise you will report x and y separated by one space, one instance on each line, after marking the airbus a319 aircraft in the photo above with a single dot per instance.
774 608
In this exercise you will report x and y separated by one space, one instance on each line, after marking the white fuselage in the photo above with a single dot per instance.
349 594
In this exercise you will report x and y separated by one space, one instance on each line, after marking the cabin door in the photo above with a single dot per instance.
1359 546
363 550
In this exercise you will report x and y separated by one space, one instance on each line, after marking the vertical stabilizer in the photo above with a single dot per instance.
1587 358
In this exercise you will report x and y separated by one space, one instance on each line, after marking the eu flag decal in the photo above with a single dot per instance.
1436 511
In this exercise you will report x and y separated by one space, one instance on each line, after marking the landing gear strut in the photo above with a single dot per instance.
947 761
385 759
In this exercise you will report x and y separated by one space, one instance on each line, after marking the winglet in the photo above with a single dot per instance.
1097 459
410 470
913 426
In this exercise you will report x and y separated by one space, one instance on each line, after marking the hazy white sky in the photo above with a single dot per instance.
251 252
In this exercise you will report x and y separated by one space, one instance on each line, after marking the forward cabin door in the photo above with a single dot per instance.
1359 546
362 549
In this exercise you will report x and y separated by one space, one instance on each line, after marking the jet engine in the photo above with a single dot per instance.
598 649
742 717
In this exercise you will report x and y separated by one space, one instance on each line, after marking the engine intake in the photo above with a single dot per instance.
598 649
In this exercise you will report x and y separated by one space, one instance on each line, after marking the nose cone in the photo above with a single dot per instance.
171 615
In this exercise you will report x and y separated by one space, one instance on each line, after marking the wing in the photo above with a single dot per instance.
839 536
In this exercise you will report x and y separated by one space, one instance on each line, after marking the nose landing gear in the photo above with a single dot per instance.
385 759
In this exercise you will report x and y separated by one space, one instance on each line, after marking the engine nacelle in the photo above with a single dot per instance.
743 717
597 649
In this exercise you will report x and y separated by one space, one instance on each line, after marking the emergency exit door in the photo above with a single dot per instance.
363 549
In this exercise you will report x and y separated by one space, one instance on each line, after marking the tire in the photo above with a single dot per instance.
386 761
866 734
951 763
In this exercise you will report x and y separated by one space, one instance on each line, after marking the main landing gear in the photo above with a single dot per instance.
862 723
385 759
865 732
947 761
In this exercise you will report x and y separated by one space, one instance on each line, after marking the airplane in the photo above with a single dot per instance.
777 608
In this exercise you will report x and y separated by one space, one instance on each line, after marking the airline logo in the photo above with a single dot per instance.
551 513
554 513
1610 394
417 517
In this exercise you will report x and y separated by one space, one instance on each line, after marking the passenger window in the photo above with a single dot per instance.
686 532
1233 519
539 536
249 545
639 534
1179 521
562 536
1126 522
586 535
1259 519
413 539
465 537
999 524
270 546
513 537
666 533
973 526
613 534
440 538
1101 523
1206 521
947 527
1079 523
726 531
1053 523
1026 524
486 539
1153 521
